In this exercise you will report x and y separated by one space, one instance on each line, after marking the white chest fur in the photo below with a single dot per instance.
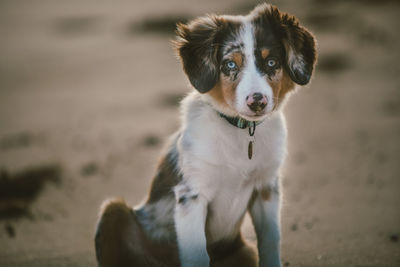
214 161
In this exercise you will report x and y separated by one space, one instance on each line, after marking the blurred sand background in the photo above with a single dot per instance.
89 92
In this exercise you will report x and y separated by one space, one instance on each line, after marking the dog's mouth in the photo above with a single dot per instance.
256 114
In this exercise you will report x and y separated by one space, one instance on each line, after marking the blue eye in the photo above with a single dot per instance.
231 65
271 63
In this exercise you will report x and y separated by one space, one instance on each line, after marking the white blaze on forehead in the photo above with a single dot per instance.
252 80
248 40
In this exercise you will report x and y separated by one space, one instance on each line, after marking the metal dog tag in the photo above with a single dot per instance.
250 150
252 130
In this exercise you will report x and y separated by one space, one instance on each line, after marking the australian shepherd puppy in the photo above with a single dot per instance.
225 159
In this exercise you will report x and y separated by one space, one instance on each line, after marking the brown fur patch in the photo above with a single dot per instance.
113 230
264 53
265 193
225 90
113 205
233 254
238 58
286 86
120 240
281 84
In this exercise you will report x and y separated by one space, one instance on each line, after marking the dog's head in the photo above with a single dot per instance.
247 64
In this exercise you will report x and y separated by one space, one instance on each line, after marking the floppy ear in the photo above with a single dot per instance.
197 47
298 42
300 53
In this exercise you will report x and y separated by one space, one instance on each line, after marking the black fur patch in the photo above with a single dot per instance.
166 178
276 53
282 34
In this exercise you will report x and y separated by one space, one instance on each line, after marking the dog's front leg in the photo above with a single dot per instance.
264 211
190 218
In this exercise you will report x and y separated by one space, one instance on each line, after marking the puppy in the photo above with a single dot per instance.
225 159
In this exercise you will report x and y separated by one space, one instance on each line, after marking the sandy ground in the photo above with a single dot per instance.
89 93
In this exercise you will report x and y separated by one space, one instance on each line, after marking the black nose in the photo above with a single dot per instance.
257 96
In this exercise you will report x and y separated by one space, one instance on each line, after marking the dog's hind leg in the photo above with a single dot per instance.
119 239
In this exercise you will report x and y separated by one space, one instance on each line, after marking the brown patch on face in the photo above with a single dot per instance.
225 90
287 85
281 84
238 58
264 53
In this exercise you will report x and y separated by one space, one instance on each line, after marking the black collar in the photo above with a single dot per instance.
243 124
240 122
